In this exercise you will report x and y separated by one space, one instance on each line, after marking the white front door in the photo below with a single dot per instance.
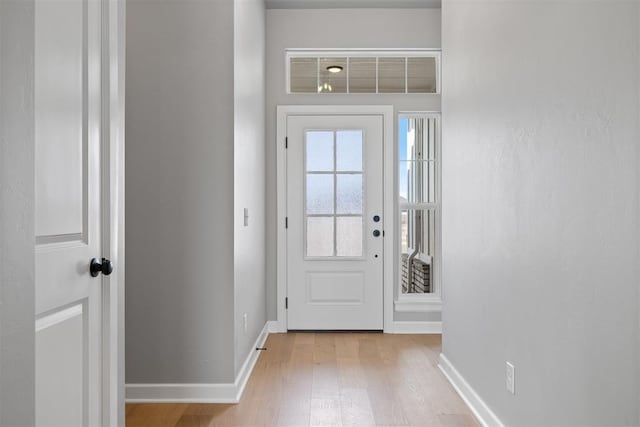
68 213
334 222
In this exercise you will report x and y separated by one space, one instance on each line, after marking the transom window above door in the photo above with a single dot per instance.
334 193
363 71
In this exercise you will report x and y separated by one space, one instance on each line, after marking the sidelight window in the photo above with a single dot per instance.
419 202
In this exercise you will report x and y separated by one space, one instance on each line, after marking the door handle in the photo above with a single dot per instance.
376 233
96 267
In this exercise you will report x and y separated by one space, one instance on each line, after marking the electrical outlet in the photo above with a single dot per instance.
246 217
245 323
511 378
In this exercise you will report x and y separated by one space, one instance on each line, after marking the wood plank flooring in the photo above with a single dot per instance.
330 379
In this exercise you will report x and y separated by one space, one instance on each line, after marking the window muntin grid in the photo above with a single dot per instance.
374 72
418 194
334 198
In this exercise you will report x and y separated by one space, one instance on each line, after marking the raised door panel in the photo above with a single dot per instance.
61 122
60 370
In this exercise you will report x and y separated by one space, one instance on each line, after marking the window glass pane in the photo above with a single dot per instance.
417 142
319 236
349 150
403 182
417 182
319 194
429 232
362 75
404 232
391 75
349 194
417 139
333 75
430 137
421 75
319 153
405 140
417 242
349 236
303 75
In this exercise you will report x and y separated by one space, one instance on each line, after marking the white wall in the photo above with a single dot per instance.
249 173
540 206
179 192
195 160
356 28
17 281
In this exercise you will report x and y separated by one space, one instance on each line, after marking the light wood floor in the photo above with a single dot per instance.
331 379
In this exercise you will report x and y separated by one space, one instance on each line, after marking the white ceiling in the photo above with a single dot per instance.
352 4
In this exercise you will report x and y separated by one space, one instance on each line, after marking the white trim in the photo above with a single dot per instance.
275 327
187 393
387 113
353 4
399 327
113 137
390 216
201 393
250 362
479 408
417 306
419 51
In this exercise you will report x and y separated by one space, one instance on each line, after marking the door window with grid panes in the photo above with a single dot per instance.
334 193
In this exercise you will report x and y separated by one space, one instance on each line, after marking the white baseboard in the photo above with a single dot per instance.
199 393
276 327
398 327
480 409
250 362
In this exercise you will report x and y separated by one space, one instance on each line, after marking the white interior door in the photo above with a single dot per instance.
334 222
68 212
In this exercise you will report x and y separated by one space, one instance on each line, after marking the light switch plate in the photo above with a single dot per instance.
511 378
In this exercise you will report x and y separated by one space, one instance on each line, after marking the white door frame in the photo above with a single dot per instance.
112 181
387 113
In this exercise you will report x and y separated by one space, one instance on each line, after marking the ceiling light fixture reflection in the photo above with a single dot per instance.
334 68
325 87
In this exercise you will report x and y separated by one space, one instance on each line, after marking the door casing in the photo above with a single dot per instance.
113 214
389 220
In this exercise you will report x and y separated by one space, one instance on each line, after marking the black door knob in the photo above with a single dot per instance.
376 233
376 218
96 267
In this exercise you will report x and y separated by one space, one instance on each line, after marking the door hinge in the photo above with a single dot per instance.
286 142
286 222
286 303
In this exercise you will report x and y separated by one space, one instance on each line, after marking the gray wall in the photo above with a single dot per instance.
249 164
179 191
540 198
17 276
359 28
